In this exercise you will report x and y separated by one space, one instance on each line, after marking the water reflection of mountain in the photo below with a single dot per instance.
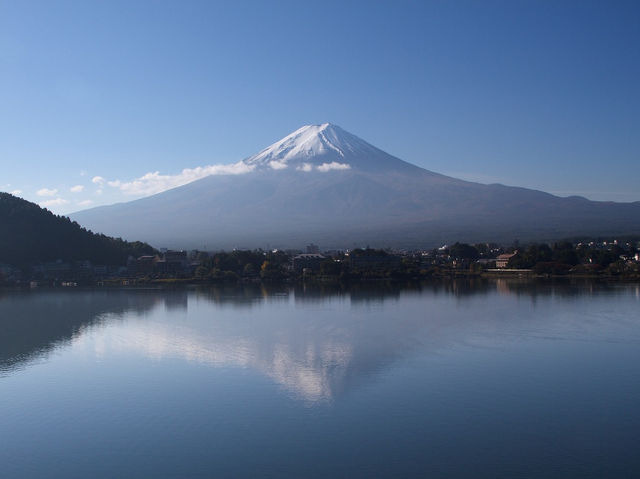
33 323
315 341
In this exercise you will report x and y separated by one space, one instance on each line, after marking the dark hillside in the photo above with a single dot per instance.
30 234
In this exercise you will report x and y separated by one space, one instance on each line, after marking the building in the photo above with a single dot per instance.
307 260
503 259
172 262
53 270
146 264
176 257
313 249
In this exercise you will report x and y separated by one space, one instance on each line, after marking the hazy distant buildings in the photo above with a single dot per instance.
313 248
169 262
307 260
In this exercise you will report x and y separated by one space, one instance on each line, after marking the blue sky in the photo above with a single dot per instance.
94 95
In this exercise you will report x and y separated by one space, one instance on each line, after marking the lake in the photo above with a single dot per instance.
486 379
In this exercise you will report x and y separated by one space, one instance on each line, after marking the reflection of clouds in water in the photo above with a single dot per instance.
308 372
309 376
34 323
316 342
317 346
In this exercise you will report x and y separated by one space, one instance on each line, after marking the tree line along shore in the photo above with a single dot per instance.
605 259
38 247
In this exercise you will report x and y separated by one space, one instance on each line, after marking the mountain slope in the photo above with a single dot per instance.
30 234
325 185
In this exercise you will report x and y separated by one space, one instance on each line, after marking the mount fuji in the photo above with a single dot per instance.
324 185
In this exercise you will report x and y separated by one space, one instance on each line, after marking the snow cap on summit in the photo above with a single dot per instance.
323 148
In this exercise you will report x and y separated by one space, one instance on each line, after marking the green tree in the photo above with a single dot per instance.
535 253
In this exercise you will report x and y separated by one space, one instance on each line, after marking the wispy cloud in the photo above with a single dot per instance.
334 165
76 189
85 203
47 192
152 183
16 192
305 167
54 202
278 165
98 180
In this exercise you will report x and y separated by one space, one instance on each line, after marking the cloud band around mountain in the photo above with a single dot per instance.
334 165
153 182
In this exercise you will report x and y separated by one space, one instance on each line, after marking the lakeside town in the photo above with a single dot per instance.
608 259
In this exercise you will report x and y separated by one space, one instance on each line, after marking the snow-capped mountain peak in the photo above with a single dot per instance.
321 148
323 184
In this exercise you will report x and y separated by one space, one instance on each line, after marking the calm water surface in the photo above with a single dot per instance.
483 380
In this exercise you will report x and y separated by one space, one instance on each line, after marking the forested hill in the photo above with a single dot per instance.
30 234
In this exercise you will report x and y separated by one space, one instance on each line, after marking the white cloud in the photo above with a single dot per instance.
99 192
334 165
84 203
305 167
16 192
98 180
54 202
76 189
153 183
278 165
47 192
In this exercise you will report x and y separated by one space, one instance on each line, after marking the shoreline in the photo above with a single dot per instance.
166 283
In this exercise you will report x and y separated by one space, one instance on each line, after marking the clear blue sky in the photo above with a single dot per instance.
541 94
